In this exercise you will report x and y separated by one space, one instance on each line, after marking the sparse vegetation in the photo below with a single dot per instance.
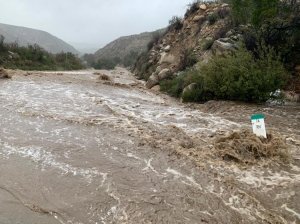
175 23
155 38
192 8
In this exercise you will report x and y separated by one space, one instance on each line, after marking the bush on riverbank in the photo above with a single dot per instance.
239 76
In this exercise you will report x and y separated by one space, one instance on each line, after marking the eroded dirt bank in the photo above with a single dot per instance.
78 149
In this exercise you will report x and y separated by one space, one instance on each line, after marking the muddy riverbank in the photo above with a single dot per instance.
75 148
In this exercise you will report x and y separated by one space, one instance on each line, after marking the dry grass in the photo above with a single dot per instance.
246 148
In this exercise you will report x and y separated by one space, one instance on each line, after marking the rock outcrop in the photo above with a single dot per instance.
197 35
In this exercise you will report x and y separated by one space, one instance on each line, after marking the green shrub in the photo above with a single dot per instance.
173 87
275 22
241 76
194 95
198 93
213 18
34 57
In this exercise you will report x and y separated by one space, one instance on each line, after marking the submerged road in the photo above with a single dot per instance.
76 149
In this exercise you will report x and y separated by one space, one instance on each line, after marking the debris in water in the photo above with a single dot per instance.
247 148
4 74
102 76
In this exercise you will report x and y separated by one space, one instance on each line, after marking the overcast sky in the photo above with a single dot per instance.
91 22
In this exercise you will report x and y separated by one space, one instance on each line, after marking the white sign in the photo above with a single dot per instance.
258 125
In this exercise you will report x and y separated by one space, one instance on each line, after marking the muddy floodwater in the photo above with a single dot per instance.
75 149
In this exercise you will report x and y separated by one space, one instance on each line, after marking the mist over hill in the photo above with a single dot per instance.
27 36
122 46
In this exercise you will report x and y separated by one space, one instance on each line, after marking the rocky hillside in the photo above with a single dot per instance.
206 31
26 36
123 46
203 32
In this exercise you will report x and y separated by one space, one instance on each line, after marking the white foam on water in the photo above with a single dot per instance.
266 179
47 159
296 214
190 179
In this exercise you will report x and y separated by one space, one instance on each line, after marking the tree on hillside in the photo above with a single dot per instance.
274 22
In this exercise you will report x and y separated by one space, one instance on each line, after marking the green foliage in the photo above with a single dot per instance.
243 77
193 95
173 87
213 18
241 11
198 93
240 76
207 44
274 22
187 60
34 57
175 23
107 63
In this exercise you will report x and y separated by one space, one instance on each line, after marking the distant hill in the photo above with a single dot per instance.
122 46
27 36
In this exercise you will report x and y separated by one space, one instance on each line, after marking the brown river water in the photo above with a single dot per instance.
78 150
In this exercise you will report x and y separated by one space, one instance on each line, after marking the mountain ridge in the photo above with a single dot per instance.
29 36
122 46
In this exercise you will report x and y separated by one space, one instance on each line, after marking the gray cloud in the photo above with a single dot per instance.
93 22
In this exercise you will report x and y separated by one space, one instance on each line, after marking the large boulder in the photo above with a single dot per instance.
167 58
4 74
223 45
152 81
158 69
203 6
163 74
198 18
167 48
190 87
156 88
